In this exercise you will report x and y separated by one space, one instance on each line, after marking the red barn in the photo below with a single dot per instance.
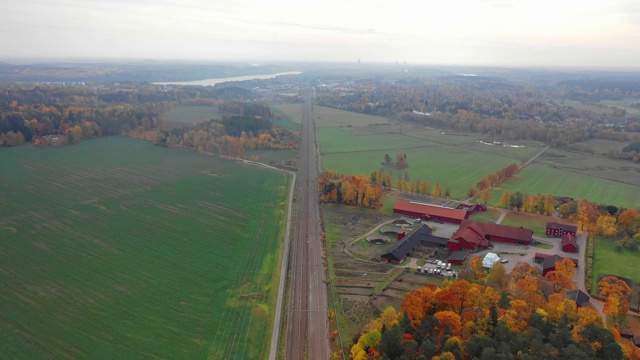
472 235
429 212
569 243
557 229
549 262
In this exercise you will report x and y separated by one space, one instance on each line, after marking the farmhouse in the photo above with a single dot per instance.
472 235
569 243
430 212
458 257
421 235
557 229
580 297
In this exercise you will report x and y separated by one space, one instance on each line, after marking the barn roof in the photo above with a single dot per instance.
579 296
430 210
470 236
568 239
435 240
405 245
459 255
550 261
564 227
484 229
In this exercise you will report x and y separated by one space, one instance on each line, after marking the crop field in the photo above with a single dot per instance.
607 260
184 115
355 143
116 249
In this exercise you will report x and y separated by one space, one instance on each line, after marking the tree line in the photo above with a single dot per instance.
498 315
356 190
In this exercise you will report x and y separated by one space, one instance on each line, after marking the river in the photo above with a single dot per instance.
212 82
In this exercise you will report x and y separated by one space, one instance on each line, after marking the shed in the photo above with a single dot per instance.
549 263
406 245
458 257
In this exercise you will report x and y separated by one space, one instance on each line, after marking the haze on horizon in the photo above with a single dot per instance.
564 33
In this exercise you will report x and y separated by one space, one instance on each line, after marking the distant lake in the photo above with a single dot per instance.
212 82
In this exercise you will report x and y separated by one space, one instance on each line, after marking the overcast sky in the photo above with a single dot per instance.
585 33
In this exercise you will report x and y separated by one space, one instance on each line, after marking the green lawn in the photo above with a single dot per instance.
491 215
191 114
117 249
609 261
536 223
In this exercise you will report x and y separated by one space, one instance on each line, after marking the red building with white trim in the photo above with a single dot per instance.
558 229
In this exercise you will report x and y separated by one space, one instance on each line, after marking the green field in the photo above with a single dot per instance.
607 260
624 104
288 116
116 249
538 178
184 115
356 144
491 215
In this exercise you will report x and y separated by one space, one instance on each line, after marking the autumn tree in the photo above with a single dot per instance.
485 195
497 277
505 199
471 192
437 189
629 220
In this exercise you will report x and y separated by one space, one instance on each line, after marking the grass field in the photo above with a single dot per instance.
609 261
183 115
623 104
536 223
537 178
290 116
116 249
491 215
458 161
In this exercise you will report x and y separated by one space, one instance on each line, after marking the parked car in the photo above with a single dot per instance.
449 266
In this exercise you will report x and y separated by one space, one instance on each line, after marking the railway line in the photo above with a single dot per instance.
307 324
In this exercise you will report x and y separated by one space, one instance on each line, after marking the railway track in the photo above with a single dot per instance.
307 330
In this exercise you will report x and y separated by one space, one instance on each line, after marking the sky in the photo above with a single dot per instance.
563 33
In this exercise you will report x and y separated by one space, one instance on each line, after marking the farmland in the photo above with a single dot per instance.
356 144
580 176
118 249
184 115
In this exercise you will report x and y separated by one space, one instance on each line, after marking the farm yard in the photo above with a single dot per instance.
118 249
363 289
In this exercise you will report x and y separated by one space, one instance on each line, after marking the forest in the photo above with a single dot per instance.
498 315
491 106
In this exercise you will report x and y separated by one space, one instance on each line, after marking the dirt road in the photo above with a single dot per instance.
307 329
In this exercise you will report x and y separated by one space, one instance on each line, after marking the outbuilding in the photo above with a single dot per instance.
569 243
458 257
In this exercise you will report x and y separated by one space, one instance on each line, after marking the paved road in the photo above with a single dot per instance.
308 328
